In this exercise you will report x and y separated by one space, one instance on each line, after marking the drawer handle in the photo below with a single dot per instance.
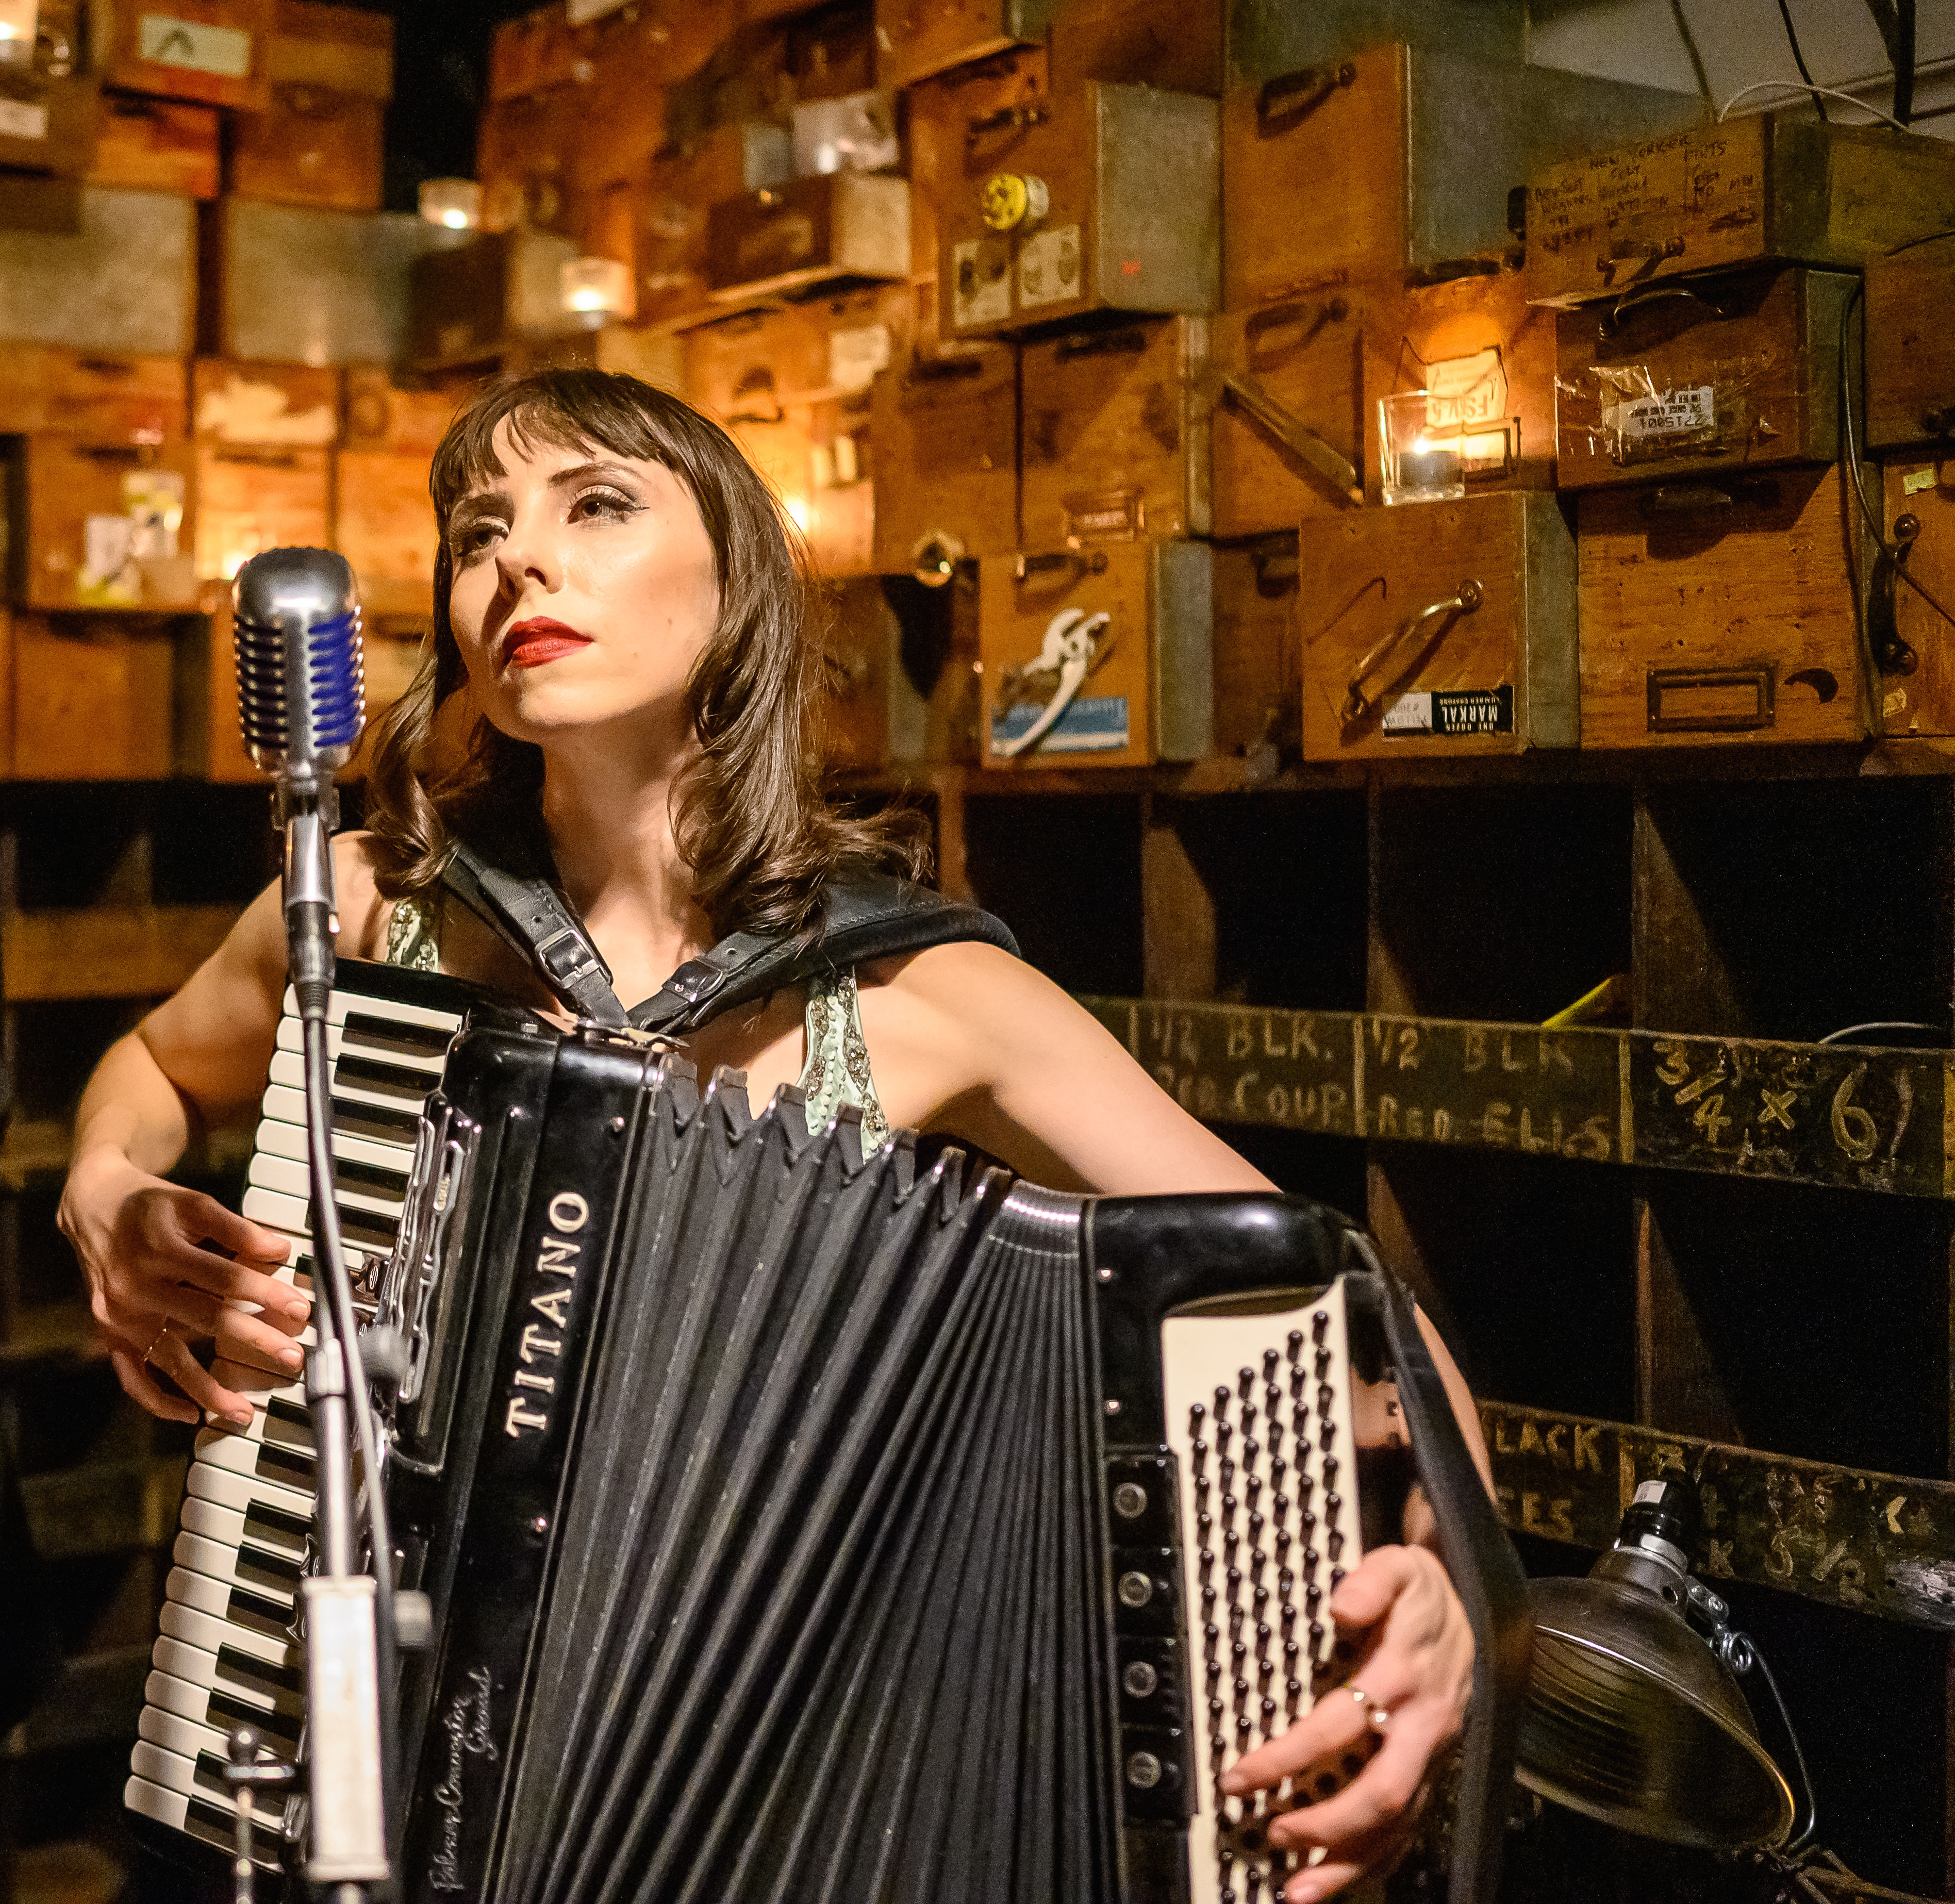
1646 251
1028 112
1130 341
1739 699
1071 560
1357 704
1257 402
946 369
1612 318
1301 317
1688 499
1292 96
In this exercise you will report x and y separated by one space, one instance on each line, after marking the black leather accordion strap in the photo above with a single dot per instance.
1485 1571
864 916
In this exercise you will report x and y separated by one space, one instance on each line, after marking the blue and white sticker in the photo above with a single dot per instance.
1097 725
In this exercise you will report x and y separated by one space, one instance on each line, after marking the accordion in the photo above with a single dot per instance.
799 1524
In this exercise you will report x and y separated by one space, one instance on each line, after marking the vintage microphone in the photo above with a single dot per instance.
302 702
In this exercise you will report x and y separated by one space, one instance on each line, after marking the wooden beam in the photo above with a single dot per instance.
107 951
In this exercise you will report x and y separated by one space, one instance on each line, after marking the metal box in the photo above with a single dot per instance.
915 38
1910 357
1400 157
809 231
1258 656
103 523
944 436
92 393
1100 659
1734 372
121 279
1114 442
1907 639
148 145
470 300
299 285
1739 193
213 50
1101 198
1722 610
1439 628
1270 36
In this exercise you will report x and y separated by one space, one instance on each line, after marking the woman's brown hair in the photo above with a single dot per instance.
747 812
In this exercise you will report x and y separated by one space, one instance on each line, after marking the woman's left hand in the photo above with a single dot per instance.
1418 1672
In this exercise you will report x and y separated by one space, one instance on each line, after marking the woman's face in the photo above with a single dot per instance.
584 591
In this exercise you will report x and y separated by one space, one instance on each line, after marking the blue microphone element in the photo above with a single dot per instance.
301 681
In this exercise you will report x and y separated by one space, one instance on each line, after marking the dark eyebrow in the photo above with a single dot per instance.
578 472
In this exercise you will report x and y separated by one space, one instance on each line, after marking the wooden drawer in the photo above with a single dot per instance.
1741 193
1115 434
210 739
917 38
93 698
1130 178
749 370
383 525
1289 426
1721 612
124 282
265 404
1443 628
48 123
1144 612
1717 373
210 50
342 49
664 40
89 394
808 231
524 150
313 147
471 302
1352 167
151 145
1258 655
870 712
1910 346
1176 45
671 209
945 431
255 497
381 416
1910 643
104 524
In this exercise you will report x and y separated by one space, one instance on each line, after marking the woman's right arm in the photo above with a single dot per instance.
164 1262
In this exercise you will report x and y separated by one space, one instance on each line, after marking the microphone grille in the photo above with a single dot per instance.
301 675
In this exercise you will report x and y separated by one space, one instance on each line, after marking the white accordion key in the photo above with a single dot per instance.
1259 1417
226 1489
246 1529
276 1580
213 1634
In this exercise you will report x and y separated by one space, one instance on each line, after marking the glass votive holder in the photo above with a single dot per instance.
455 204
595 290
1419 461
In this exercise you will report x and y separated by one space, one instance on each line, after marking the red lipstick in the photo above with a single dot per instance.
531 644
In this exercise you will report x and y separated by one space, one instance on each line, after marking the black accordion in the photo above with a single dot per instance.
799 1524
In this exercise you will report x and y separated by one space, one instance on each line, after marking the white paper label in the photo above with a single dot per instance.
224 51
980 277
854 357
1466 390
1048 267
106 547
1409 714
1673 413
20 119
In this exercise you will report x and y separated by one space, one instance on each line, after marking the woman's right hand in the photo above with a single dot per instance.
165 1265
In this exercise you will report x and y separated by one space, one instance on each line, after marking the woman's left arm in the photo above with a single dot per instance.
968 1039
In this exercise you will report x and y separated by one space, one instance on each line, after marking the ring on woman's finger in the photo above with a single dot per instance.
1377 1717
150 1353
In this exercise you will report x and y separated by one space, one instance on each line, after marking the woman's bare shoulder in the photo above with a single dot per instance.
357 863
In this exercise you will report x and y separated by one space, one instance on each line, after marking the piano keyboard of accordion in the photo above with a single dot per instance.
225 1654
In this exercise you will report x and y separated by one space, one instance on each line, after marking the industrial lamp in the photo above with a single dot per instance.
1634 1714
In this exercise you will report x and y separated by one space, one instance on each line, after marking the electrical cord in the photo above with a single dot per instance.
328 1257
1689 38
1798 59
1793 85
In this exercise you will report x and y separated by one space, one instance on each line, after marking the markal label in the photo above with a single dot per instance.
1451 712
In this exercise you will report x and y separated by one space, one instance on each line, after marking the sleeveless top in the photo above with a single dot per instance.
837 1071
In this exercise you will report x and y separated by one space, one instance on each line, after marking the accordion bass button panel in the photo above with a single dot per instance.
1259 1419
228 1653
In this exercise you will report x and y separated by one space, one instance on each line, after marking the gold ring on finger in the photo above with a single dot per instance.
155 1340
1377 1717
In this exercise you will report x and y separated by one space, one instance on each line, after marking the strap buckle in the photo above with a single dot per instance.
569 957
695 981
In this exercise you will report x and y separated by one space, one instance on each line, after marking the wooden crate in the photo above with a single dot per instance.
1910 356
213 50
665 40
252 497
946 432
868 709
1115 434
381 416
265 404
1914 686
916 38
383 525
1130 179
1176 45
1288 425
314 147
1720 612
49 123
669 226
151 145
1353 168
1735 372
93 698
210 738
105 523
1258 652
1147 695
809 231
525 147
1740 193
1439 628
340 49
91 393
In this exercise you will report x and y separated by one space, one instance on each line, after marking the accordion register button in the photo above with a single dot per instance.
1135 1590
1158 1754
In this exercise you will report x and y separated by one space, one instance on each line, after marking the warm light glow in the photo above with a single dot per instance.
453 203
798 511
596 288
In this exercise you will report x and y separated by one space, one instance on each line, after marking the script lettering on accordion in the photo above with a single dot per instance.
528 1406
470 1735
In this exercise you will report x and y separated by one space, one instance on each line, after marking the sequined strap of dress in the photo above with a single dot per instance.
837 1072
414 935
